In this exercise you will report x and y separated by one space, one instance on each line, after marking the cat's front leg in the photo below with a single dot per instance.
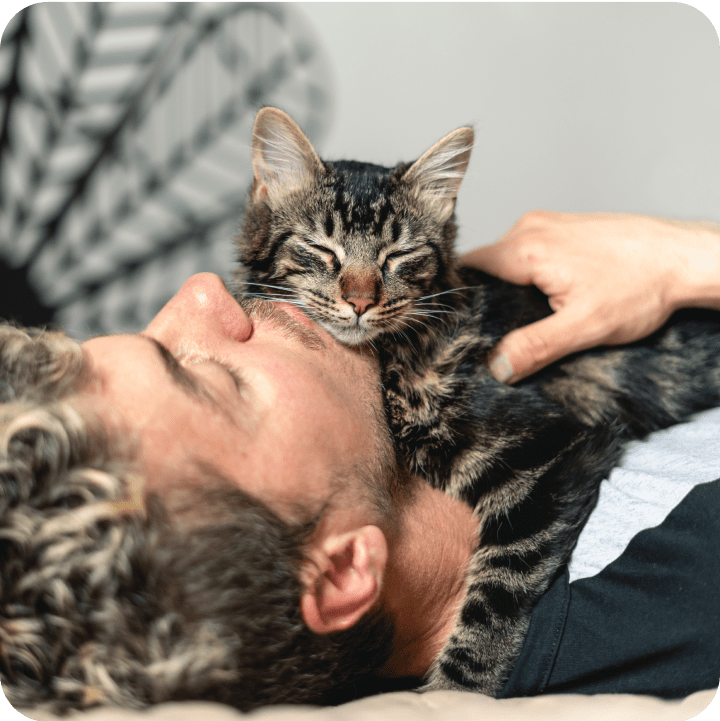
529 524
488 636
424 412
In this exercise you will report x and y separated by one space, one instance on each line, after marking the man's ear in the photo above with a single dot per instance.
343 579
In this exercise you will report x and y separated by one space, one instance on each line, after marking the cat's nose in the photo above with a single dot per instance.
360 286
360 304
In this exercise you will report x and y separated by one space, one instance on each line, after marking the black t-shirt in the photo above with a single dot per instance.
648 623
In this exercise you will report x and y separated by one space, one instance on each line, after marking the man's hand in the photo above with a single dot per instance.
610 279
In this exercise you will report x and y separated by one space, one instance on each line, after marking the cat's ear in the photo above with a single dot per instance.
437 175
282 157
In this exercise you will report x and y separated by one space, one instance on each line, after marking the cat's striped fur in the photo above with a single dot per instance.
368 252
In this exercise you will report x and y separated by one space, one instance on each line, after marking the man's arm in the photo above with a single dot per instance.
610 279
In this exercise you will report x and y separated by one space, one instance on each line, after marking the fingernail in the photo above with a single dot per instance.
501 368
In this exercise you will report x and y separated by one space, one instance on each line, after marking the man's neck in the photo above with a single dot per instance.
425 578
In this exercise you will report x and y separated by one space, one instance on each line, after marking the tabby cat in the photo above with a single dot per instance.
368 253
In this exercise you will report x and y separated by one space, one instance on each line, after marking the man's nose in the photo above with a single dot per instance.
202 312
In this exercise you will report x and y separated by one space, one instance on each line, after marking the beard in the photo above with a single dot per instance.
260 309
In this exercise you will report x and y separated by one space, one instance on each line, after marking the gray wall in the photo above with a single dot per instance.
576 107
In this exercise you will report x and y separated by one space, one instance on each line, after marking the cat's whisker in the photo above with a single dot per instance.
423 323
451 290
297 301
437 314
269 296
371 343
287 289
434 307
266 296
435 304
403 334
419 314
435 310
289 295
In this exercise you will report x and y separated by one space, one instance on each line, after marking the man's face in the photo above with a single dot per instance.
271 401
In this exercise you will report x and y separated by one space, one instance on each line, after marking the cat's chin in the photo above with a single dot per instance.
353 336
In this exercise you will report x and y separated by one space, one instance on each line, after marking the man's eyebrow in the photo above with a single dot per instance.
180 375
188 382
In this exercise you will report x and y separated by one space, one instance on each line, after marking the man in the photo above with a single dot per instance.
206 411
135 541
265 400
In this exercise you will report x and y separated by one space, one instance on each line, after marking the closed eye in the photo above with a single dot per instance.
395 255
190 359
192 383
234 375
331 256
321 248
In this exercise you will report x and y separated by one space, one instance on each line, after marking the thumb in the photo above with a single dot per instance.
526 350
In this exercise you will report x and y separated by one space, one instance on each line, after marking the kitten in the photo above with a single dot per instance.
368 253
362 249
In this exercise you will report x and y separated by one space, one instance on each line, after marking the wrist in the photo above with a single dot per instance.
695 277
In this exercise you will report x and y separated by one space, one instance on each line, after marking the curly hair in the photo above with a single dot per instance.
103 601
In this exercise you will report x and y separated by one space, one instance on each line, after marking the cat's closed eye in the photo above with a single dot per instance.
329 254
395 256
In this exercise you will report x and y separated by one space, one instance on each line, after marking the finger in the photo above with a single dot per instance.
525 351
501 260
